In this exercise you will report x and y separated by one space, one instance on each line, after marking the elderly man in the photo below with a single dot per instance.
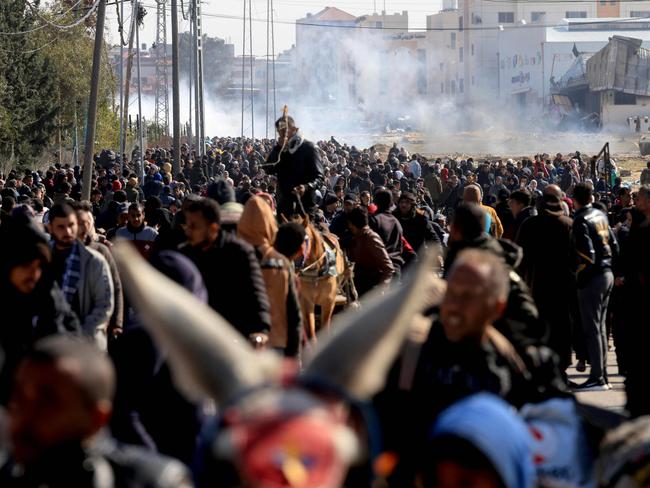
464 354
473 194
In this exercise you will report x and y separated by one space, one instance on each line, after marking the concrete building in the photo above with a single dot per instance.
531 59
397 21
320 55
468 36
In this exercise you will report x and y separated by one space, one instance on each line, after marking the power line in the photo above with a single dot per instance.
419 29
31 51
79 21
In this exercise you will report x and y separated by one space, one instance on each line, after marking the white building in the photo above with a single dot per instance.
530 58
466 34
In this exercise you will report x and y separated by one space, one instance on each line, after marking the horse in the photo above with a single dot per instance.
323 271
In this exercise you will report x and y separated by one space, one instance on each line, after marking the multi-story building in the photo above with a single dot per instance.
466 34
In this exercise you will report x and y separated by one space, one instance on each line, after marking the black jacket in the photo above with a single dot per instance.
73 465
418 229
28 318
595 243
234 282
520 322
303 167
390 230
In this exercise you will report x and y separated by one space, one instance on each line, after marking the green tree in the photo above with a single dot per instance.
45 81
71 54
28 119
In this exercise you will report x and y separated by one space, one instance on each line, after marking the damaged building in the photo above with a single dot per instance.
609 89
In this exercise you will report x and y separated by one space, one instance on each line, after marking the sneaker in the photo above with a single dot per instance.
573 385
581 367
593 385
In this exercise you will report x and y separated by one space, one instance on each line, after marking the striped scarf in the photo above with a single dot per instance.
72 274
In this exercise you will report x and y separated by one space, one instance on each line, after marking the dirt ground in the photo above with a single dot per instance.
486 145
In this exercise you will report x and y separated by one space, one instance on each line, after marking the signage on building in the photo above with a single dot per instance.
521 78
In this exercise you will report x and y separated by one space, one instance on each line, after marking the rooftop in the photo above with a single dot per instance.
330 14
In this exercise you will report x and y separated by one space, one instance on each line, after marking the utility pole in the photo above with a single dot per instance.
176 101
89 149
121 79
190 84
129 66
162 80
194 56
199 65
141 120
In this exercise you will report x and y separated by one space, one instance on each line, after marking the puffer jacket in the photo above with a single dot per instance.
258 227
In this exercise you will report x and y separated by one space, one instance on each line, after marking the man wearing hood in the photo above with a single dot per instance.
547 269
258 227
298 166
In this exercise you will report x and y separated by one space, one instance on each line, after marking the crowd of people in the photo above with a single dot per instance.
539 264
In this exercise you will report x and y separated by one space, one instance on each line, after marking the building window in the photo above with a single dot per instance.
460 23
537 16
575 14
453 40
640 13
461 85
506 17
603 2
472 49
379 25
453 87
422 72
461 54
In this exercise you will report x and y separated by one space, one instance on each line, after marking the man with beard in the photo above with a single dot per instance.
229 268
298 166
82 274
88 236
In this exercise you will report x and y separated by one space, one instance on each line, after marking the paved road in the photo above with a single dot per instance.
611 400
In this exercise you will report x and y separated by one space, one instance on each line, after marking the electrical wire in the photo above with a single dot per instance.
416 30
120 24
79 21
31 51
